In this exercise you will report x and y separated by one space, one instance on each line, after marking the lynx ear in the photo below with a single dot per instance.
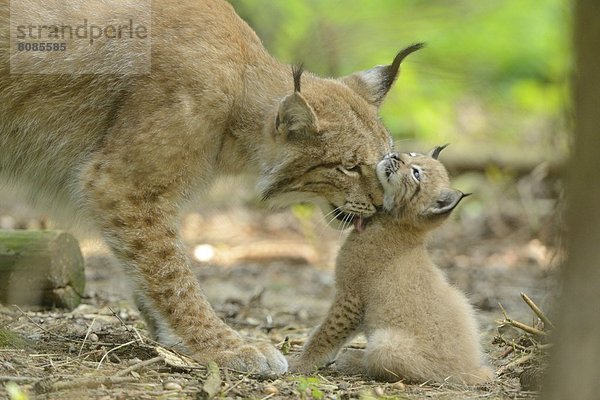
374 84
295 118
435 153
447 200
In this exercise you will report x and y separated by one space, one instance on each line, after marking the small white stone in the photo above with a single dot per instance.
172 386
270 389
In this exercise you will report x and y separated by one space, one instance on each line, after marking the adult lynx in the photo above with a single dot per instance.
128 151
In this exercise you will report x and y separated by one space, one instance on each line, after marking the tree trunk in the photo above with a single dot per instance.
41 268
575 368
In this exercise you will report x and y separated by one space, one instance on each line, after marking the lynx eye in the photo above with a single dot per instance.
416 174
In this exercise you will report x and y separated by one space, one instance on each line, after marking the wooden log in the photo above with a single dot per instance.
40 268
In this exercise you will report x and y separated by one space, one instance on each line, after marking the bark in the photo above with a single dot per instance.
575 365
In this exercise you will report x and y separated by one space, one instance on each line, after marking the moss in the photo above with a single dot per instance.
11 340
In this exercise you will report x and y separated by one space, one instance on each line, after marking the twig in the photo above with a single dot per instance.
139 365
113 349
506 317
5 378
42 328
86 336
520 325
538 311
526 328
512 343
507 352
518 361
119 318
89 382
138 335
54 334
238 383
325 379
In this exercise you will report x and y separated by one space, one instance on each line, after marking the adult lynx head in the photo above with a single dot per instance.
417 188
328 139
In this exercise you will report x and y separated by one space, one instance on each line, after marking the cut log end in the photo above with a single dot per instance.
41 268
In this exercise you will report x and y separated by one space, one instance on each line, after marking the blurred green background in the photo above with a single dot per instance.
494 71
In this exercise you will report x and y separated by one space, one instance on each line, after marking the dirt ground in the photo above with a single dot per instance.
269 274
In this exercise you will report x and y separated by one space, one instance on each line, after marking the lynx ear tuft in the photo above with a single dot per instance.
297 71
435 153
445 203
375 83
296 118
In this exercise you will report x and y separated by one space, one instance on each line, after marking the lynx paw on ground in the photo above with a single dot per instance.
302 365
351 362
259 358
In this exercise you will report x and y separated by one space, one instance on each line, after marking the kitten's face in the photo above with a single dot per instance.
417 187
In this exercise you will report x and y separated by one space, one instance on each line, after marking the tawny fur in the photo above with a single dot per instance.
418 326
127 152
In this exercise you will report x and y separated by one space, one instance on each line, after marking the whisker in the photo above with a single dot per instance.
346 223
331 212
335 210
326 222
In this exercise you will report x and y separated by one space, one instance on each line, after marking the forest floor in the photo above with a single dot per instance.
269 274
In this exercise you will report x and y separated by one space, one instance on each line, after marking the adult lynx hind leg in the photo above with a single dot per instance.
136 202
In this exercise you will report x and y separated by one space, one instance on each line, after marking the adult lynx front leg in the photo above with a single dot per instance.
137 209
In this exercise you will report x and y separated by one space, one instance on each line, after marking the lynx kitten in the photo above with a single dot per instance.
417 325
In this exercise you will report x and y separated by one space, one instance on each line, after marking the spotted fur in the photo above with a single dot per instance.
126 153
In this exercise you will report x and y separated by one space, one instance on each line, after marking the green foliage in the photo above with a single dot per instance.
15 392
304 213
309 388
493 70
12 340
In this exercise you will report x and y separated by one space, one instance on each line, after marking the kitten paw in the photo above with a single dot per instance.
350 362
260 358
302 365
